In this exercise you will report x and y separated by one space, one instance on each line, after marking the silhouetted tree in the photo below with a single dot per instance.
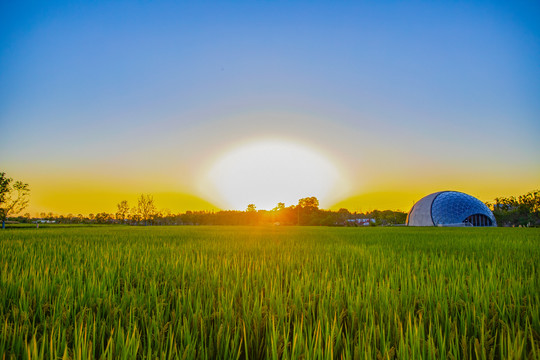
13 197
134 215
103 218
306 211
309 202
280 206
122 210
522 210
146 208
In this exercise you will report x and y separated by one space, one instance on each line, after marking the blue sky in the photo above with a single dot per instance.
120 86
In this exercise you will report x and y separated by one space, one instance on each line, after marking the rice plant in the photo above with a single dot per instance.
269 292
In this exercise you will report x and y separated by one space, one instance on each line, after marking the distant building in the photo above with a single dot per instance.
41 221
360 222
450 208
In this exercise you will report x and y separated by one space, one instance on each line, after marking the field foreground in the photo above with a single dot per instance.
269 292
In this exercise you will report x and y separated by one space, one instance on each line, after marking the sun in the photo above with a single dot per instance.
271 171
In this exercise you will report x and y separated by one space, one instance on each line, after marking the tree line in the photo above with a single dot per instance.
306 212
523 210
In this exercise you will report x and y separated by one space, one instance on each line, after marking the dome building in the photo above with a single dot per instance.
450 208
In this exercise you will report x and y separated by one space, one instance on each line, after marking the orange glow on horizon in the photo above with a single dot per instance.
220 177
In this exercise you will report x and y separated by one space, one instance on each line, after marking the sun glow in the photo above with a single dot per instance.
271 171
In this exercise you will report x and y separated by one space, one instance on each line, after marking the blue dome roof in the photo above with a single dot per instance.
451 207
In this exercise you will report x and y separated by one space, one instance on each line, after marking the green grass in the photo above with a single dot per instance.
269 292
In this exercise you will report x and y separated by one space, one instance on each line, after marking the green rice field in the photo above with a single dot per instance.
269 292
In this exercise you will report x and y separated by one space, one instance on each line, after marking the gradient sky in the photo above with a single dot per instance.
101 101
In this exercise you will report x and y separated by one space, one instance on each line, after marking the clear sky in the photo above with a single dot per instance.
389 101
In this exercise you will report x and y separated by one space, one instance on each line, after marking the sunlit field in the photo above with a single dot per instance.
269 292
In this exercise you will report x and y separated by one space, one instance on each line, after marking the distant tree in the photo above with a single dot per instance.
306 211
280 206
342 215
123 210
251 215
165 217
134 215
4 187
309 202
523 210
146 208
530 201
103 218
13 197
